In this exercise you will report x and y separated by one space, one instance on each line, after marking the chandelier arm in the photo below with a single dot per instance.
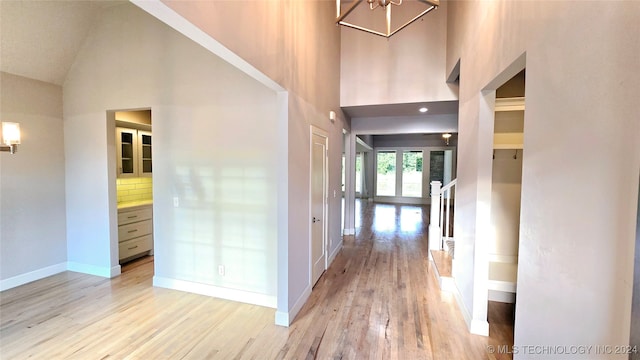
353 26
398 3
412 20
388 20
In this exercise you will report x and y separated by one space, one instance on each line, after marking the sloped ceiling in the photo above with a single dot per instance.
40 39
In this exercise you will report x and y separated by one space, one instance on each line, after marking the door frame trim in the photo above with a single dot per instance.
314 130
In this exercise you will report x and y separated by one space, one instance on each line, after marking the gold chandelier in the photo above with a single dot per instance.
386 5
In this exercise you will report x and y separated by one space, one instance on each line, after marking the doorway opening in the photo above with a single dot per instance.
133 141
506 185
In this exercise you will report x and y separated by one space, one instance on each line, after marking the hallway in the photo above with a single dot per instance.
378 300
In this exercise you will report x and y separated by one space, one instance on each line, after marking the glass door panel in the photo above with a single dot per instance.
412 173
436 166
146 162
359 173
126 152
386 173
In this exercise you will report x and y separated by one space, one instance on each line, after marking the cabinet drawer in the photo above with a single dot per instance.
133 230
136 246
129 217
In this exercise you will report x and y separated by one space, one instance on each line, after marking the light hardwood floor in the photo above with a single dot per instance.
378 300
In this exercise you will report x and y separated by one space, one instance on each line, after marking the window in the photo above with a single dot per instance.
386 173
358 172
436 166
343 172
416 168
412 173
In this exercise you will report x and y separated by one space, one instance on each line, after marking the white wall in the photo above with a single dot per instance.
32 203
215 149
506 185
580 168
405 125
296 44
413 140
408 67
505 206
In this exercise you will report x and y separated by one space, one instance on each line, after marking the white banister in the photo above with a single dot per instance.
440 228
435 235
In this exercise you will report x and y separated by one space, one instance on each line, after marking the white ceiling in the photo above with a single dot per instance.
405 109
40 39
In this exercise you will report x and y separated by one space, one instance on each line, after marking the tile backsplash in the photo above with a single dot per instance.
134 189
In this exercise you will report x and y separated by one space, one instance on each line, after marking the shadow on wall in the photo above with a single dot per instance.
224 227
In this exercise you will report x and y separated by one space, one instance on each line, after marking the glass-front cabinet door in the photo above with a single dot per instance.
126 152
144 153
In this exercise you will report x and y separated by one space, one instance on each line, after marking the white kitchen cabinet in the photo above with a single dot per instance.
133 153
135 231
144 154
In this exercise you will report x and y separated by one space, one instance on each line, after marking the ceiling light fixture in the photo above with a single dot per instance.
386 5
446 137
423 110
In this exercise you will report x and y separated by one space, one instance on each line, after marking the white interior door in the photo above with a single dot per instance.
318 205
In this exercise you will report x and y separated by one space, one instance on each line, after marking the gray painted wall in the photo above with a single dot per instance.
212 151
32 204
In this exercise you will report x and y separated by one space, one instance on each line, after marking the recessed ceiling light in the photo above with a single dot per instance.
423 109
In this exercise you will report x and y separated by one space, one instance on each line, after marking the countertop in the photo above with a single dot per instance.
129 205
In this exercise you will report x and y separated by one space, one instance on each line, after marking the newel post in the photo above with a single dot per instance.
435 233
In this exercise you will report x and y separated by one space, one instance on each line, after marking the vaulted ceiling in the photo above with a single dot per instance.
40 39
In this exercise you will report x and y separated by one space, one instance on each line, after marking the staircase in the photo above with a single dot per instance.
441 241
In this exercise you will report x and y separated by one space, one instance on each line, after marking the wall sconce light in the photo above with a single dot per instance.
332 116
446 137
10 137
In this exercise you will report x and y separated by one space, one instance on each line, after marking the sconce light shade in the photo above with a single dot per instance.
332 116
446 137
10 133
10 137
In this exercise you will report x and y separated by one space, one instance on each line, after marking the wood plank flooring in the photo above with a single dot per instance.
442 261
378 300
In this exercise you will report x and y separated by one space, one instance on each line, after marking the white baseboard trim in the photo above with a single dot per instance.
349 232
94 270
285 319
216 291
447 284
463 309
479 327
503 286
282 318
335 252
501 296
476 326
26 278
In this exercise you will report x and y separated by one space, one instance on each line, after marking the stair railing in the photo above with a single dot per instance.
440 229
